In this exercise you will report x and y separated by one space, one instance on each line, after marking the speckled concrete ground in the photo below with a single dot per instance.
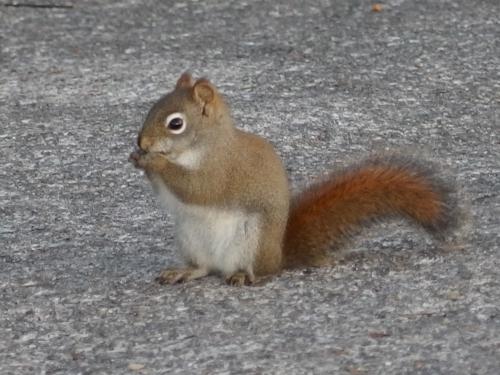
327 82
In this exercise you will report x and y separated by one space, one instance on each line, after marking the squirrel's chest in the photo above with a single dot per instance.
223 240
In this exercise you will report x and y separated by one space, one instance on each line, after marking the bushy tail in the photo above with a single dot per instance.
327 212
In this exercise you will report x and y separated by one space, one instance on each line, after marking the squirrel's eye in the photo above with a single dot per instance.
176 123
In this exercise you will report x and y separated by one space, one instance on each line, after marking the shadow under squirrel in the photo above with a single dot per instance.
228 193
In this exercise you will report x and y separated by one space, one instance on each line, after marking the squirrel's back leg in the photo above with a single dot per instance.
268 258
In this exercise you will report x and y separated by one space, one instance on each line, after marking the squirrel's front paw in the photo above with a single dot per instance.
137 158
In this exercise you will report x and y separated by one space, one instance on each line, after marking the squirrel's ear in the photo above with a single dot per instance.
204 92
184 81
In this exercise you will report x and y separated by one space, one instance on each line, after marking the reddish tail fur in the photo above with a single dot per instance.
327 212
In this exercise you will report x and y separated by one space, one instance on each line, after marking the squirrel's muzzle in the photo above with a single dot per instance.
144 142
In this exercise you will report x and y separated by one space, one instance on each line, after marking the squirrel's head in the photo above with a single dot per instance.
183 119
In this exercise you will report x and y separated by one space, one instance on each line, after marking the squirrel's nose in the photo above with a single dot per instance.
144 143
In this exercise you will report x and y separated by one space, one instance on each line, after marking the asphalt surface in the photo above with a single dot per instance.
83 237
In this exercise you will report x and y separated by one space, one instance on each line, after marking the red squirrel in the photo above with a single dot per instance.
228 192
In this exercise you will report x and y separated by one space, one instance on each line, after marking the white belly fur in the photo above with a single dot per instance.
221 240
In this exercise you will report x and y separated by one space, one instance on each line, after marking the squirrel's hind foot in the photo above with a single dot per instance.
240 279
180 275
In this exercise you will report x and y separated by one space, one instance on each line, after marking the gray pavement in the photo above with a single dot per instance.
82 235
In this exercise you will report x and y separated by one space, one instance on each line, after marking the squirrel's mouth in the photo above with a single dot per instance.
140 151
